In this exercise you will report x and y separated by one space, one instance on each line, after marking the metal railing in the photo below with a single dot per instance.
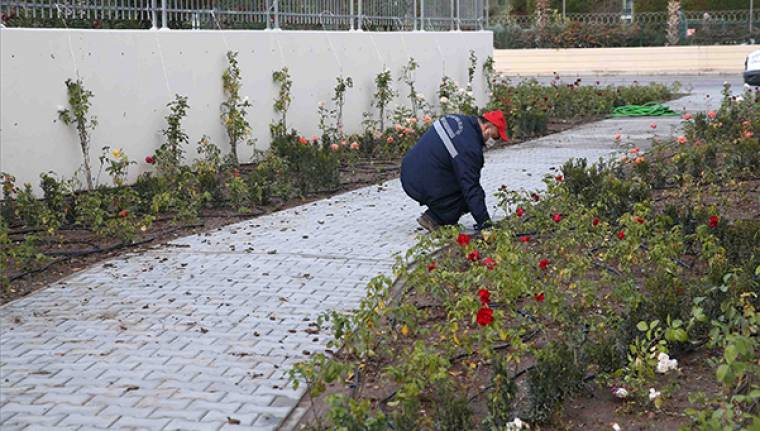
643 18
383 15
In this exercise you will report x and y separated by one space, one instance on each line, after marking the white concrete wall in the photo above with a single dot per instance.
134 74
678 60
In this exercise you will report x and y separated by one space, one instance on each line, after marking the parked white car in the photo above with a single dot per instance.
752 68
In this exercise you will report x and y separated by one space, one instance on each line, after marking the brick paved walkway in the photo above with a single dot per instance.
185 336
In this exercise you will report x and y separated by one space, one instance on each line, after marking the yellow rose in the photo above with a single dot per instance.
116 153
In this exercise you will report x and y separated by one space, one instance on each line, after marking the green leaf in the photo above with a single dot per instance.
722 373
730 354
642 326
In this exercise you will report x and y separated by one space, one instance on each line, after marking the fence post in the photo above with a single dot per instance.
459 16
164 17
479 6
453 23
414 14
153 15
276 14
359 23
751 11
422 15
488 14
268 7
351 14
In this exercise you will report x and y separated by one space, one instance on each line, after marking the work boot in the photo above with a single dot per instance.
428 223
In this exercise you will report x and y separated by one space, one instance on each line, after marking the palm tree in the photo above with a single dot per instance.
674 7
542 14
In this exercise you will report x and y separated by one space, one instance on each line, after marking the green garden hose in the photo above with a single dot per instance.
650 109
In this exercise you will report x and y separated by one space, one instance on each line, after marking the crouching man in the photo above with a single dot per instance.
442 170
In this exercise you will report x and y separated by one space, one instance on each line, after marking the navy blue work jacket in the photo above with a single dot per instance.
447 159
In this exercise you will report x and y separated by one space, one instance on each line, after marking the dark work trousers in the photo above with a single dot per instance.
447 210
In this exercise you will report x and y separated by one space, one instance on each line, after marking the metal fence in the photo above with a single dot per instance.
698 18
382 15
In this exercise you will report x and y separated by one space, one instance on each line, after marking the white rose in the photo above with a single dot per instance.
444 99
621 393
60 108
616 427
321 104
420 97
673 364
653 394
469 93
739 98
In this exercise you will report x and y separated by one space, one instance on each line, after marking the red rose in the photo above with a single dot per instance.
463 239
236 173
431 266
714 221
485 296
539 297
559 178
638 220
543 263
535 196
557 217
123 213
520 212
596 221
621 235
525 239
473 256
485 316
490 264
150 160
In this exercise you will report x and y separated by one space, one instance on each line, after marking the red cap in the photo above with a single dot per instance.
497 119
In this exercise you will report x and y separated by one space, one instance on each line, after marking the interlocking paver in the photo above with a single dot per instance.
185 335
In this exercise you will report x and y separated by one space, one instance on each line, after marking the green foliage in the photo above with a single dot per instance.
234 108
384 94
346 414
558 372
78 114
339 98
408 73
472 65
23 255
603 188
282 102
501 398
311 167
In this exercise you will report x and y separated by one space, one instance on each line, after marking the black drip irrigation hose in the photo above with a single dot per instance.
69 255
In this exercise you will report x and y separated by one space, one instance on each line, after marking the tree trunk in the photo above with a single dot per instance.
542 14
83 142
674 6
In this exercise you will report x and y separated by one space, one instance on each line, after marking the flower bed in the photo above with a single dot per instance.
40 237
635 280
